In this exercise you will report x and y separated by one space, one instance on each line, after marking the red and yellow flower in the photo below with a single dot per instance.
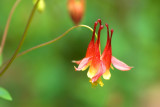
99 65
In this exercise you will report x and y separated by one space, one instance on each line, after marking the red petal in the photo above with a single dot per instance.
90 49
120 65
101 70
83 63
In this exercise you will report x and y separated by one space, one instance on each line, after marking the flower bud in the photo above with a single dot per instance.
41 5
76 10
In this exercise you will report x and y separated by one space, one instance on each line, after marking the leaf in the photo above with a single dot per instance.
1 60
5 94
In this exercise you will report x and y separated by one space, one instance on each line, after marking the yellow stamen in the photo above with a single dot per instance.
112 67
99 81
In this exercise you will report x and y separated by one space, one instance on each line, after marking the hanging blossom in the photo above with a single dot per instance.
76 10
99 65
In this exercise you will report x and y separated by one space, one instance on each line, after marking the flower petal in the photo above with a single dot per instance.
107 75
77 62
120 65
83 64
101 70
91 72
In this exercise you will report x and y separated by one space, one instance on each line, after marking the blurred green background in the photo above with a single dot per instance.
45 77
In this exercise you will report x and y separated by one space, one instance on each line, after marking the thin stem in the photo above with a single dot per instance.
7 25
22 40
52 41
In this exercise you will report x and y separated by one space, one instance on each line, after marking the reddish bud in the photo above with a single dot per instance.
76 10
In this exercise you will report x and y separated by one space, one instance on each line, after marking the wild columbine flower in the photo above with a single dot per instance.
86 61
100 64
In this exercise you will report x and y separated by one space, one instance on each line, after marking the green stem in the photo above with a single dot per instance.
52 41
7 26
22 40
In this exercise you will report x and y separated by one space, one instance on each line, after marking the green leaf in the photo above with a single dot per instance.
5 94
1 60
